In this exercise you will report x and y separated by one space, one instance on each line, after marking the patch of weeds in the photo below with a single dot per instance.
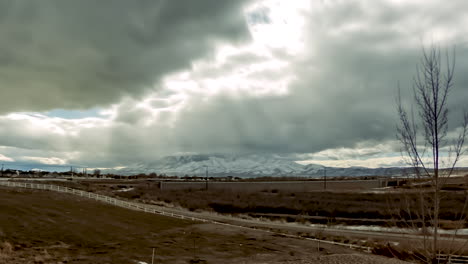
197 261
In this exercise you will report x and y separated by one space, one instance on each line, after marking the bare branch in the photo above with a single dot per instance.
431 87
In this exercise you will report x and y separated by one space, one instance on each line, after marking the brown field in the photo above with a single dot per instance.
349 206
47 227
286 186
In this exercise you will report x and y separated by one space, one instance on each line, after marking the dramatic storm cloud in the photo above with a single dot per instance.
78 54
315 80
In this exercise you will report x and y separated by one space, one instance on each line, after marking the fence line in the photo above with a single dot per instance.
452 259
151 209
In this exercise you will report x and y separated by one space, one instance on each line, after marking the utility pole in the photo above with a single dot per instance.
324 178
206 177
2 170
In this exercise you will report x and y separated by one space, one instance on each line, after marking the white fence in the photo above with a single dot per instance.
152 209
452 259
98 197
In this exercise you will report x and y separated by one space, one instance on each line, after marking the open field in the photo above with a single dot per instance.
386 207
287 186
367 206
46 227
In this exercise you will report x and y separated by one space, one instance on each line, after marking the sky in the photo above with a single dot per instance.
113 83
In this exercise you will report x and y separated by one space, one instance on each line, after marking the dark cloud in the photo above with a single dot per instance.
340 96
78 54
345 87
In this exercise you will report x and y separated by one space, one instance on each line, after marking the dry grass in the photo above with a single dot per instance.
347 207
6 250
339 207
48 227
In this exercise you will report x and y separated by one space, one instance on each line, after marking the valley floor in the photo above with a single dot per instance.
47 227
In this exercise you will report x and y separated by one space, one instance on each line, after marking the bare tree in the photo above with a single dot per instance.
423 135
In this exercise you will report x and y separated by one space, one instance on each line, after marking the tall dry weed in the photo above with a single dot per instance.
6 250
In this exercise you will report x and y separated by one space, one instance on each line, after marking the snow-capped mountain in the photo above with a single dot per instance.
356 171
246 166
219 165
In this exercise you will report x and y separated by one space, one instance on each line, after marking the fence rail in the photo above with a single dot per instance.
452 259
152 209
98 197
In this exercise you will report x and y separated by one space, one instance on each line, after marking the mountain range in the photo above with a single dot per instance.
247 166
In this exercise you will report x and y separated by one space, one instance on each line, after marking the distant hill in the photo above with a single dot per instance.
247 166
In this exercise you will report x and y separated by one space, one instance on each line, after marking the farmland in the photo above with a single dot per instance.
287 186
285 210
46 227
344 202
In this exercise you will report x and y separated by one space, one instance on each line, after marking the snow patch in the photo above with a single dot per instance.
125 190
463 231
